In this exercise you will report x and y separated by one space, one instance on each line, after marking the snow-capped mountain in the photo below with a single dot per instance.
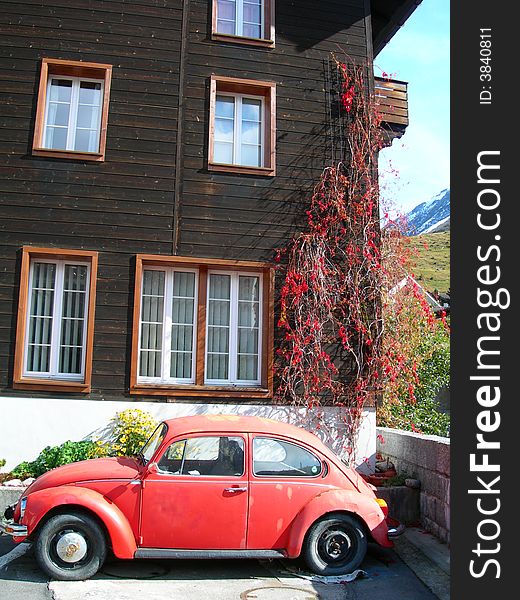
429 216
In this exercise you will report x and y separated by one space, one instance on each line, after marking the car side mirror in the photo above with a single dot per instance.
152 468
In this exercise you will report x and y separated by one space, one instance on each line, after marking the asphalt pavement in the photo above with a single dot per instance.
386 577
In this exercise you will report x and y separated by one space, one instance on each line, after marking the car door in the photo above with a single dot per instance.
198 498
284 477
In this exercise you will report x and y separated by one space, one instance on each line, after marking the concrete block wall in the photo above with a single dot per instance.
427 458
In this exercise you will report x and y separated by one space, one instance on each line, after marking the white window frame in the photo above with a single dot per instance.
73 114
57 309
239 20
167 328
237 128
233 331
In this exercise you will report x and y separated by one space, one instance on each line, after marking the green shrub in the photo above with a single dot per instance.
56 456
128 431
422 417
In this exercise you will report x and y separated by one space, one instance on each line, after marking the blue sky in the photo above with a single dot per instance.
419 53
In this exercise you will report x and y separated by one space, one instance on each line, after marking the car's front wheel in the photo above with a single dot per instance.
71 547
335 545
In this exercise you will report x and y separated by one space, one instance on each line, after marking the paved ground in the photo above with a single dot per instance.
387 578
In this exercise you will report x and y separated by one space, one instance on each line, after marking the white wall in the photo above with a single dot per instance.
30 424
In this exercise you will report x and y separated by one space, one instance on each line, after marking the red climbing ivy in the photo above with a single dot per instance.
336 280
330 309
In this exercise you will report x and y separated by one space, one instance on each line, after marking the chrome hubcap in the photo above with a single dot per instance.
71 547
334 546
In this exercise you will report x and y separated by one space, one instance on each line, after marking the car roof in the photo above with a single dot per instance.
242 424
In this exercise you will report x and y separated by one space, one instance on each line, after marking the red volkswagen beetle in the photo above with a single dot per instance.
204 487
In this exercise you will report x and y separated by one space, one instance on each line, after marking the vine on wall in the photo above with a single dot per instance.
330 309
339 277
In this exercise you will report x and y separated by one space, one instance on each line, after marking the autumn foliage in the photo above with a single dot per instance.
334 295
330 310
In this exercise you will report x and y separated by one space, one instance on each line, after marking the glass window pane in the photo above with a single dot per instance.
73 319
218 456
75 278
56 138
38 358
181 365
88 117
277 458
247 368
171 460
247 340
87 140
224 130
219 287
90 92
218 312
252 31
150 364
248 314
225 107
227 27
184 284
223 153
218 339
183 310
60 90
252 13
151 336
41 309
182 338
217 366
251 155
153 282
248 288
226 16
251 109
251 133
58 114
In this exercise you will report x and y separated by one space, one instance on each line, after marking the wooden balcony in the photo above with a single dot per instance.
392 102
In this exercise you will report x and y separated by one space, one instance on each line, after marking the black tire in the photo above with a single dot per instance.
71 547
335 545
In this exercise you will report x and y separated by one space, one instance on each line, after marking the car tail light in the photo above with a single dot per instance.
383 506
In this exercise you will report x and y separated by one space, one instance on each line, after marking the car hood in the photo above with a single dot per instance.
121 467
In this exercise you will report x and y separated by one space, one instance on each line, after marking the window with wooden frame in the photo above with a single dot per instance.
202 327
244 21
55 327
242 128
72 110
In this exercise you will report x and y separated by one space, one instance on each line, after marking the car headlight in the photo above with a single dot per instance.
23 504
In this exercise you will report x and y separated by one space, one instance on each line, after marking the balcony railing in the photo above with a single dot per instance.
392 101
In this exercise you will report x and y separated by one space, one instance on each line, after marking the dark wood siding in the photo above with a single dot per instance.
125 205
236 216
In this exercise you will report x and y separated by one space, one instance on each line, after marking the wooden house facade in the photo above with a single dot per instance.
155 153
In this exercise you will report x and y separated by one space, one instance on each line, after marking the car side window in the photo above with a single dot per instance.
212 455
273 457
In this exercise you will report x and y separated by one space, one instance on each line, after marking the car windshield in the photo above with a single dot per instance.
155 440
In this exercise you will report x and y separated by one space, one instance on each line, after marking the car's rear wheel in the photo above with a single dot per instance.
71 547
335 545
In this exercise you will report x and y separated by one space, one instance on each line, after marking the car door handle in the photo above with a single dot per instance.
235 490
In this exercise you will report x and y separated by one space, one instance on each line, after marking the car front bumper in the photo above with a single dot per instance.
13 529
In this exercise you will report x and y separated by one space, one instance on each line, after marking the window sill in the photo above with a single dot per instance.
50 385
241 170
69 154
238 39
202 391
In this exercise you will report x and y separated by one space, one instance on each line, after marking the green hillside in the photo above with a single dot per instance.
432 268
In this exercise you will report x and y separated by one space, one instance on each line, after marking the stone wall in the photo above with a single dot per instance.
427 458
